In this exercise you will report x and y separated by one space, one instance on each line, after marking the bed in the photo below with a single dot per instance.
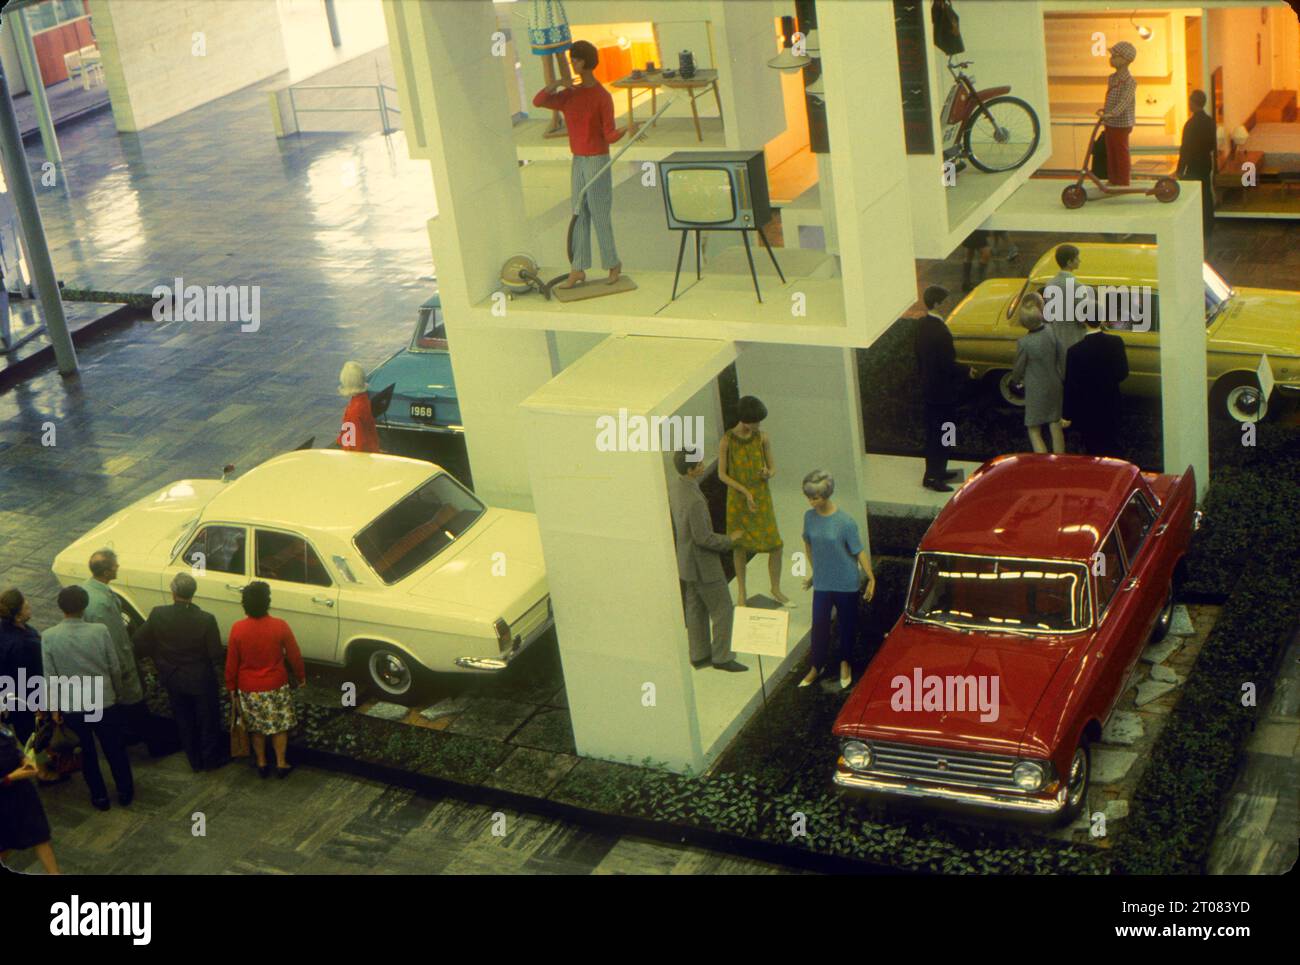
1280 145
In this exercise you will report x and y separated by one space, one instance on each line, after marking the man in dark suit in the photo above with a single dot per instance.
1196 156
185 645
706 596
1094 368
941 385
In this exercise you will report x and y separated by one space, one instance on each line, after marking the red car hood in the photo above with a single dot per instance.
1014 669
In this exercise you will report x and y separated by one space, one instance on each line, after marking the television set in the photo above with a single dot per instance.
715 190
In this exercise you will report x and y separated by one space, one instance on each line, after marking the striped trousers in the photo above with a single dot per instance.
597 207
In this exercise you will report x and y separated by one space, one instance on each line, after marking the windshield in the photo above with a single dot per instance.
1217 293
1007 595
419 527
430 333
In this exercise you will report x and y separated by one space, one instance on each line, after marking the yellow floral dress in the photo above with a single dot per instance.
745 464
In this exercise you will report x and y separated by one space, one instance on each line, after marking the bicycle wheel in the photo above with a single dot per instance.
1001 135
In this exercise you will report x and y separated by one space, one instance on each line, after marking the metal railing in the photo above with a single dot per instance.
381 102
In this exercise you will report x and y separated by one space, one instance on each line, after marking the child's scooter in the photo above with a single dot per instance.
1075 196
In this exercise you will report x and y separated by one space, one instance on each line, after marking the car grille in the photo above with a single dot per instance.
943 765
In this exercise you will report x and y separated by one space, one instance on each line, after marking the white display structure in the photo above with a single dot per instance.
1180 253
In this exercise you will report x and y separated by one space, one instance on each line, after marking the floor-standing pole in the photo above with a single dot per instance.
36 86
332 16
29 216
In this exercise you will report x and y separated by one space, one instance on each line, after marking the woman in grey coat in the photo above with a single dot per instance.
1040 365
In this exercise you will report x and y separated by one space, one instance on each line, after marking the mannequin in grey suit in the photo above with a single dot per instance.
699 565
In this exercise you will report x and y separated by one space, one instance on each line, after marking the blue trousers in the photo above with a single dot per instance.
597 208
845 606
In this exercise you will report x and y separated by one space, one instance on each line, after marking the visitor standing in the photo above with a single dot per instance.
103 608
20 653
1040 365
83 650
260 646
185 646
1094 370
23 823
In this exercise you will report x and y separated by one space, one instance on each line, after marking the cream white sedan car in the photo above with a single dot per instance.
379 562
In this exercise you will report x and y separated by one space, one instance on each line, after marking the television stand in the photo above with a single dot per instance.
749 255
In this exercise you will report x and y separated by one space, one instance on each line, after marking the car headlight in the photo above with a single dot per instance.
857 755
1029 775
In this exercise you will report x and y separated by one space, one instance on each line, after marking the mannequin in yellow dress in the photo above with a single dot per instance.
745 464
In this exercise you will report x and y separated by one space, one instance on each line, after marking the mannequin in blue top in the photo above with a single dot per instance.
833 547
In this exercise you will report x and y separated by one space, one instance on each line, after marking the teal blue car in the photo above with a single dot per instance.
424 392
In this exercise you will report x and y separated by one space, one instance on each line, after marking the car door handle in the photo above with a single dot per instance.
1160 530
234 586
1130 584
322 599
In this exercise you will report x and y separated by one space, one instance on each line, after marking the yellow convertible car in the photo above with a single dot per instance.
1242 324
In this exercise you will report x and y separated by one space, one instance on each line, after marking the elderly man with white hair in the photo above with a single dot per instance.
185 646
358 433
105 610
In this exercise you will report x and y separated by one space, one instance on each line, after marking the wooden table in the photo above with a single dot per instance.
695 87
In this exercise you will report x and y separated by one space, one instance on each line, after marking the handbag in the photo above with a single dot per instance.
1099 166
55 746
239 743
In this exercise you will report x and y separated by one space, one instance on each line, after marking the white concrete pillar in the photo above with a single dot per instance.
1180 253
610 560
442 59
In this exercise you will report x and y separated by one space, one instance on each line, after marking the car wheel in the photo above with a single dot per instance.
1238 397
1076 783
1008 391
1165 618
392 674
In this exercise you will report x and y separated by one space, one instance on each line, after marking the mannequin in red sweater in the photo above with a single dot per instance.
589 116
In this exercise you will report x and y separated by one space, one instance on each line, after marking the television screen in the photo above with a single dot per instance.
701 195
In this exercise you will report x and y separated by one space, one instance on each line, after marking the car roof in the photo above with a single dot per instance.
1102 263
1035 506
319 489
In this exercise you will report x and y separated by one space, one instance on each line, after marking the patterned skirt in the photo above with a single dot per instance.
268 711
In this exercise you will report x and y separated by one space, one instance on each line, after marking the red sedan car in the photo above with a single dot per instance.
1033 594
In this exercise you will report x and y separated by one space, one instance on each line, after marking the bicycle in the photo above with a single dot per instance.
996 131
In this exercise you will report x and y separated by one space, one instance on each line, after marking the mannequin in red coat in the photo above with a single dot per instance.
358 432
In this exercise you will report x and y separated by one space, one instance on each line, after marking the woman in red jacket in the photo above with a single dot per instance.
358 432
256 676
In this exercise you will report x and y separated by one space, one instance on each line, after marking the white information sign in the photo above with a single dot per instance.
760 632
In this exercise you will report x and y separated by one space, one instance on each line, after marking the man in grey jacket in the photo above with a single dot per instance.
106 611
1062 304
84 651
707 596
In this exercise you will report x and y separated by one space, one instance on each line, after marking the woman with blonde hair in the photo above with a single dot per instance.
1040 366
358 433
